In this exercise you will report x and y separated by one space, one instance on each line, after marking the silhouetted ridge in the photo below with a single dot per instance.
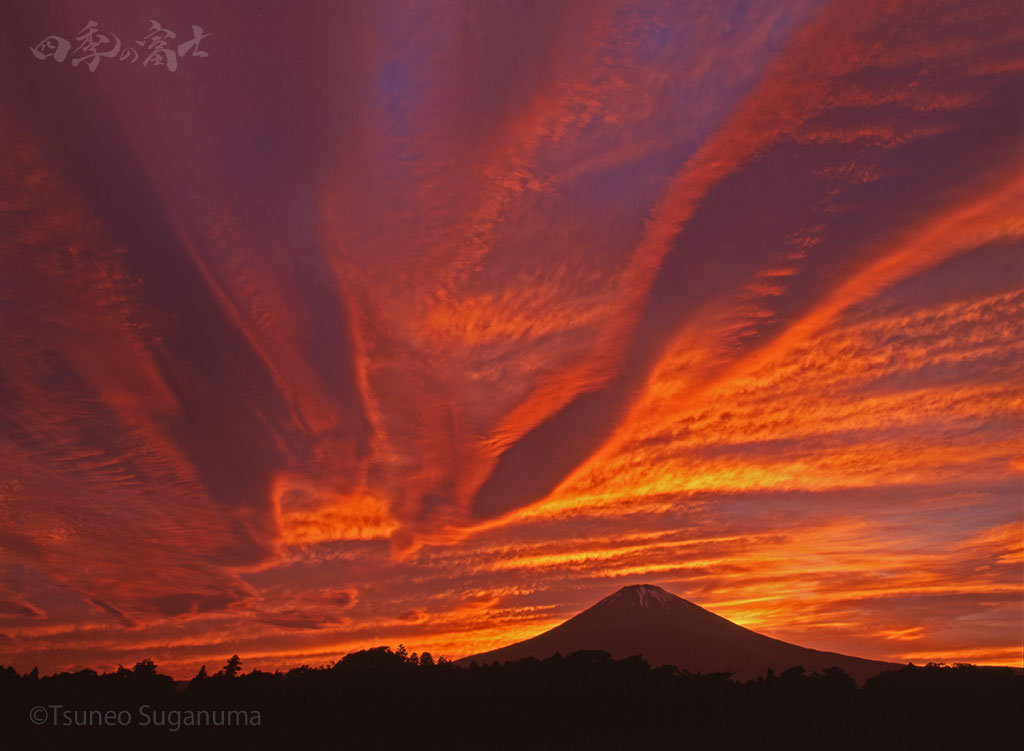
644 619
383 699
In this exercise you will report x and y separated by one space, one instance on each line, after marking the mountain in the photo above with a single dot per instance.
668 630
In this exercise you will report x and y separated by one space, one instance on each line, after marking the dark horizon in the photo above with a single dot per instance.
584 700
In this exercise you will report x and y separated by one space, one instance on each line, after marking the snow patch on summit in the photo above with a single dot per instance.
647 595
644 596
645 591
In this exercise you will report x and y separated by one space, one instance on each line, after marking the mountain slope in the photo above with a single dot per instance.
668 630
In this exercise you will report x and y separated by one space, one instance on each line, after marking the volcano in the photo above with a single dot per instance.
667 630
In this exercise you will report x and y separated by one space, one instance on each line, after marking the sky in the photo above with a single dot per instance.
434 323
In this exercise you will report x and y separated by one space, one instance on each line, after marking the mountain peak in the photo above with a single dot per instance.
644 619
643 596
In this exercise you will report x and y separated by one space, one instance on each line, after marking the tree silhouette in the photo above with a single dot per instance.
144 668
584 700
231 668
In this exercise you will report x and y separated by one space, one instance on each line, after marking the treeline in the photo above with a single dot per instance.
380 698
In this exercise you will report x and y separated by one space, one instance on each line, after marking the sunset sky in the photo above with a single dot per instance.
437 322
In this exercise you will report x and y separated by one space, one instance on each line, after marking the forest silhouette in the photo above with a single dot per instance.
384 698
